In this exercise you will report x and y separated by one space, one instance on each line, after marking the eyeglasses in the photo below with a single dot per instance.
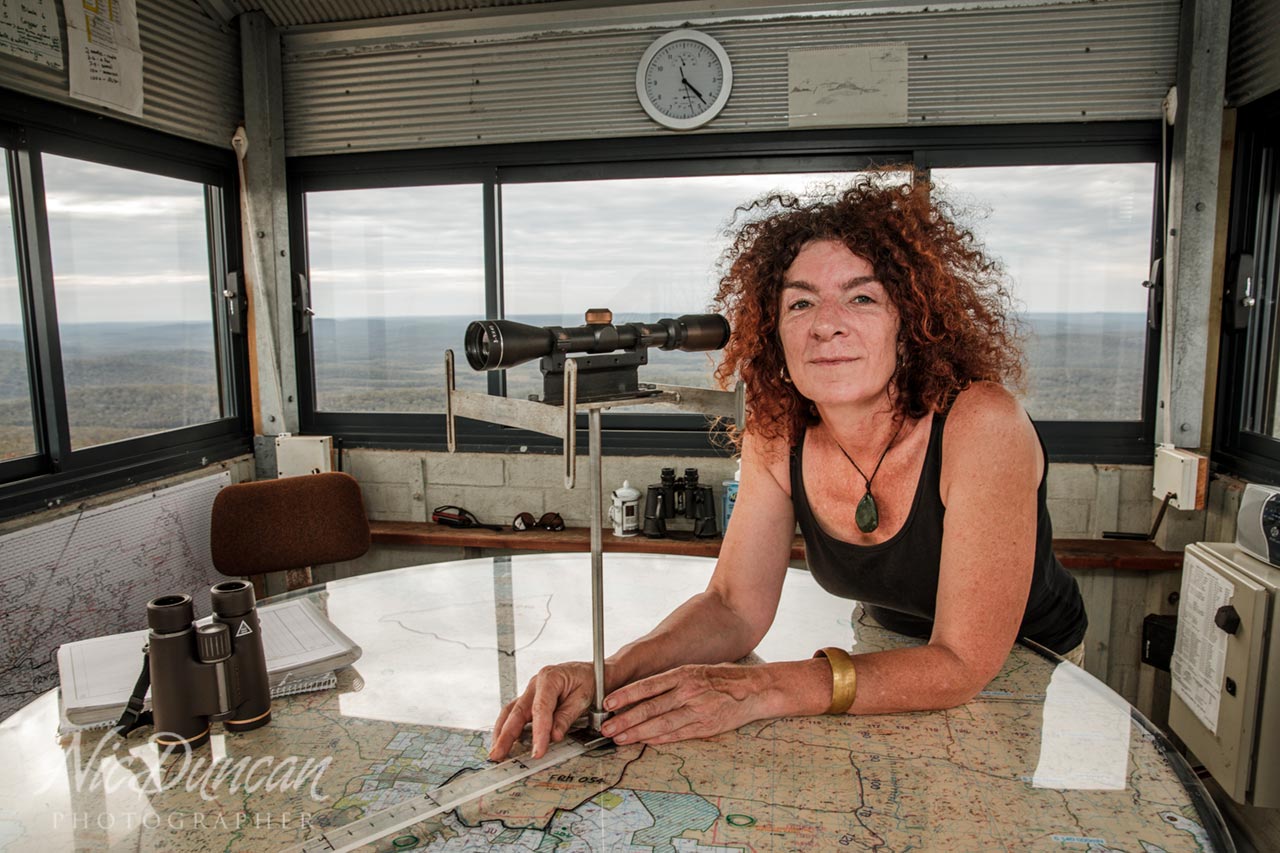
549 521
456 516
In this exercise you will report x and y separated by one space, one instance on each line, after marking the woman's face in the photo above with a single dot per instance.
838 328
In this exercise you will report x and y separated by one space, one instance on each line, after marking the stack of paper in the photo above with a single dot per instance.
303 648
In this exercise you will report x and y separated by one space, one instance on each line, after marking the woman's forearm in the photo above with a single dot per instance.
702 630
923 678
706 630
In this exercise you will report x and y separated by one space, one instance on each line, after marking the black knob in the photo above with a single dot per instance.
1227 619
213 642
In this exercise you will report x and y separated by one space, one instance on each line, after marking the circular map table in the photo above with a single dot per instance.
1046 758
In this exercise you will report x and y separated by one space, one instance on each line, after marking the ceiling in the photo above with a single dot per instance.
295 13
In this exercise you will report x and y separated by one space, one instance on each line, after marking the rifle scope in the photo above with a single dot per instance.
495 344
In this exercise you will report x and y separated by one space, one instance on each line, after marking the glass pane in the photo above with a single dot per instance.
1076 240
1260 410
132 281
17 435
645 248
396 275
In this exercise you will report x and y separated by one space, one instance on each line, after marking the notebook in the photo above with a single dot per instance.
303 648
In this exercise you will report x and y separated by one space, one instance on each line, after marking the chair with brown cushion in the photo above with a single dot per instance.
289 524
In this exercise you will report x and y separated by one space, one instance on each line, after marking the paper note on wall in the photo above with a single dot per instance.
1200 647
29 29
104 55
862 85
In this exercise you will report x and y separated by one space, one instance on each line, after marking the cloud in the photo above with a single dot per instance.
1073 238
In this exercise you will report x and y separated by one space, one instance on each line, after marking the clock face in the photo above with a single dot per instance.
684 79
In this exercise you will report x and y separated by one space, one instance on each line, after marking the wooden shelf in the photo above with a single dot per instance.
1074 553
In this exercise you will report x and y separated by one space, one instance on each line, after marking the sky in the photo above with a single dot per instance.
129 246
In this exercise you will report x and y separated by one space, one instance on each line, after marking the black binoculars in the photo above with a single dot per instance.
208 672
680 498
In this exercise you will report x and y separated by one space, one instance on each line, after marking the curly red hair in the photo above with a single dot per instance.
957 322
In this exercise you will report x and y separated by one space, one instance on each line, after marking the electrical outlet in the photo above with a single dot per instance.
1182 472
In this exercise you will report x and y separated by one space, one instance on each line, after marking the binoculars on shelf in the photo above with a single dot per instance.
208 672
679 498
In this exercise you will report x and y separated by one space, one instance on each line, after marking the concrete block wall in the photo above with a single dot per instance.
1084 500
406 485
1087 500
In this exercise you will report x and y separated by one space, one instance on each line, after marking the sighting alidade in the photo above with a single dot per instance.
606 376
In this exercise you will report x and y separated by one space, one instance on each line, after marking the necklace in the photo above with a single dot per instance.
867 515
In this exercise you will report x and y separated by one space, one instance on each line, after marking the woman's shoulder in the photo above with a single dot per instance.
771 454
987 418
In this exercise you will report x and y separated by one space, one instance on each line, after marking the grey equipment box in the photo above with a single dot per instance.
1226 670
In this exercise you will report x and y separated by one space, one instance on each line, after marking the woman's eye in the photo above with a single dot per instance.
862 299
798 304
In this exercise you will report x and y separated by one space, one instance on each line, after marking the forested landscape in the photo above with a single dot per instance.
129 379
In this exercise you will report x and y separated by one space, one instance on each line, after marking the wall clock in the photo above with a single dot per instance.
684 79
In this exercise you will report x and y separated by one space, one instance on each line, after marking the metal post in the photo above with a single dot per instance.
598 715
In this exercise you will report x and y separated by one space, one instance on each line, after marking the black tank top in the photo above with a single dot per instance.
897 580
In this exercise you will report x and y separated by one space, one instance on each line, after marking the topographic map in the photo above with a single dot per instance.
1045 759
889 783
92 573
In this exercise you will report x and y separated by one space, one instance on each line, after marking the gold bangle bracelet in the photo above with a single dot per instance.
844 678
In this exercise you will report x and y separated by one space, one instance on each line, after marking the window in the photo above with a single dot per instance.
539 233
646 248
1247 430
396 274
17 436
135 316
117 361
1076 242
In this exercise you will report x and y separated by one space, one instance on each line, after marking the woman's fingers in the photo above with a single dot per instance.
638 691
502 717
552 701
687 702
546 697
507 730
655 706
694 728
655 726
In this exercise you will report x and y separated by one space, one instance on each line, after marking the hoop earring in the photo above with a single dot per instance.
782 372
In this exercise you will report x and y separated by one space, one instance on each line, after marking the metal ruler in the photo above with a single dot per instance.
448 796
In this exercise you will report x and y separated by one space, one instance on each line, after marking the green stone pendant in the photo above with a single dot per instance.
867 516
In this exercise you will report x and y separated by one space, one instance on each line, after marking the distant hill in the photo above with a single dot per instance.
128 379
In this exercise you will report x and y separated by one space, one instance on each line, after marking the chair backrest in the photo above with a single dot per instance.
289 523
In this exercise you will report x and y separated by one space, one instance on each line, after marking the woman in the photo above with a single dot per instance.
873 339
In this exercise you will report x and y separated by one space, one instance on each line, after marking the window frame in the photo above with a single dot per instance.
698 155
1235 450
56 472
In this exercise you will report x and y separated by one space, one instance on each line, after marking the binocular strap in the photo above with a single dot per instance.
134 717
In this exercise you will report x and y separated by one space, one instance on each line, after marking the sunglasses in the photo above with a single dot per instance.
549 521
456 516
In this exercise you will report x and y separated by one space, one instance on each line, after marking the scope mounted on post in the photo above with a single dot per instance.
603 375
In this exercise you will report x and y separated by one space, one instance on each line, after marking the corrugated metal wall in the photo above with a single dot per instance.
288 13
190 73
1253 63
409 86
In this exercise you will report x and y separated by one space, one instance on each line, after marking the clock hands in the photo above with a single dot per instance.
689 85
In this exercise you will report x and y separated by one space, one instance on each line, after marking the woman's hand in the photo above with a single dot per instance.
555 697
693 701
